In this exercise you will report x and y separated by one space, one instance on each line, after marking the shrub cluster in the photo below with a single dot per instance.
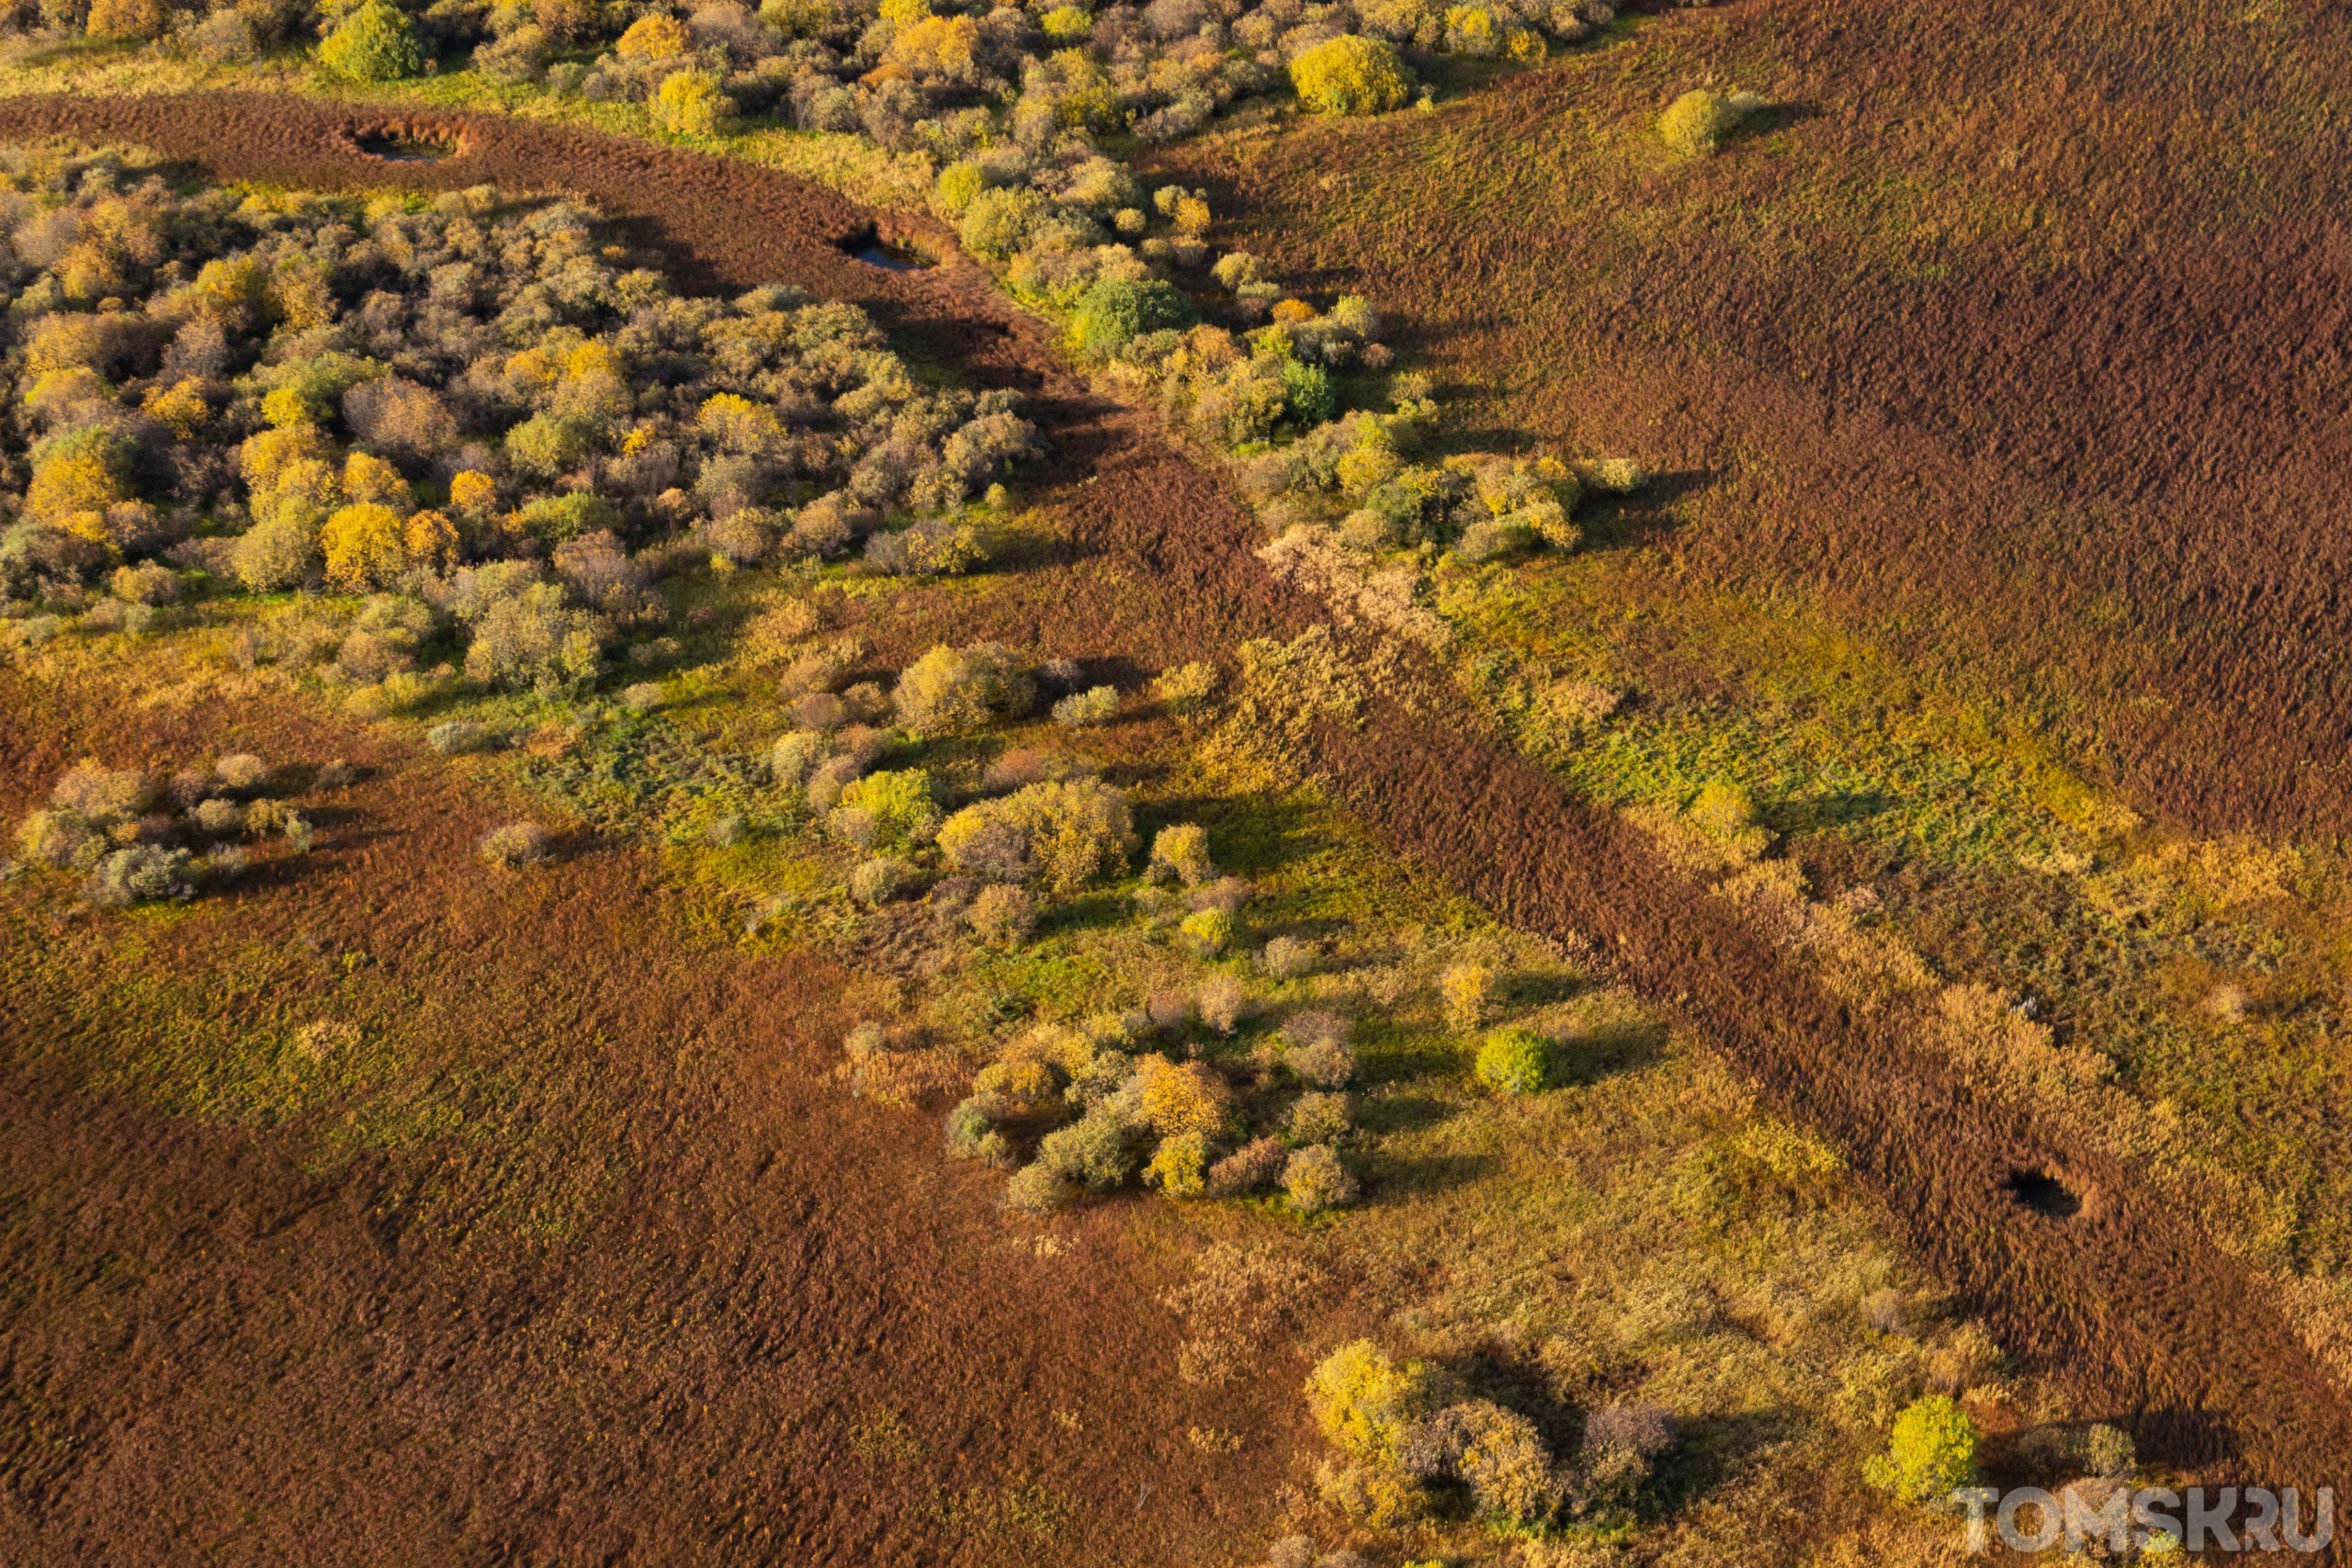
1403 1429
137 839
950 78
445 400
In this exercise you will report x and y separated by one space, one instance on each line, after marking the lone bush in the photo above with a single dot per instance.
1508 1470
1083 710
1286 958
1222 1002
1324 1064
900 805
1317 1117
1211 932
689 103
456 737
1514 1061
1067 832
1180 851
960 691
1095 1153
1036 1191
1467 987
1697 122
374 43
875 883
242 772
1365 1402
515 845
1315 1181
1114 311
1180 1166
1252 1165
1350 75
140 875
1932 1454
1002 915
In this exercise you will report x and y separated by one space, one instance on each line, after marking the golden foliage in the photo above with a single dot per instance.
366 547
1181 1100
654 38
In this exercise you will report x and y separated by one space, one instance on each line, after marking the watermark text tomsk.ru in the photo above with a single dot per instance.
2225 1518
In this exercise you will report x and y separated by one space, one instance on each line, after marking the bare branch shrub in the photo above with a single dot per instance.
514 846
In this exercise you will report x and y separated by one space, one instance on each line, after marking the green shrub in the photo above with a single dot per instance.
904 814
2110 1453
1116 311
1695 123
1095 1153
1514 1061
968 1124
547 445
959 186
559 519
1932 1454
1180 851
374 43
279 553
1350 75
1308 393
1211 933
456 737
997 223
532 637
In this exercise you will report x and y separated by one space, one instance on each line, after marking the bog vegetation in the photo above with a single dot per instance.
471 410
502 442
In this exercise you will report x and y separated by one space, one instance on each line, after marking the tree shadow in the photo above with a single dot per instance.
1609 1050
1711 1452
1403 1113
1426 1174
1539 988
1248 835
1774 117
1837 808
1644 516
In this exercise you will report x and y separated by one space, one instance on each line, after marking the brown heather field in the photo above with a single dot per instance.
2019 335
2127 1306
610 1268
